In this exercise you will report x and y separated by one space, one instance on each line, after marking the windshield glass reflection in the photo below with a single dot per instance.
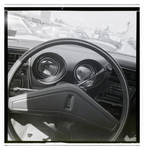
115 30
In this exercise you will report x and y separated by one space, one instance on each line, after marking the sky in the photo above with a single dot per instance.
98 19
116 20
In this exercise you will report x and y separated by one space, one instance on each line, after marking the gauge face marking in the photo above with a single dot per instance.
84 72
48 67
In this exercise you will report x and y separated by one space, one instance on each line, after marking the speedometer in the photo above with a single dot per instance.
48 67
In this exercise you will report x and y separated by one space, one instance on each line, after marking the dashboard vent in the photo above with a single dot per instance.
13 57
130 74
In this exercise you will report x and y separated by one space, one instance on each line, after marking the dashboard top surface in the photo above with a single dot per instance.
21 46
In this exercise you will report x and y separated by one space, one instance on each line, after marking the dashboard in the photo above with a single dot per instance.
74 64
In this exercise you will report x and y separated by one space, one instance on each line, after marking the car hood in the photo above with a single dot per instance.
28 41
106 46
28 37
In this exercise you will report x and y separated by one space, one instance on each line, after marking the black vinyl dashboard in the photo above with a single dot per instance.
73 64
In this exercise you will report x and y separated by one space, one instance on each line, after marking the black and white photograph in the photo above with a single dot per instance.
72 74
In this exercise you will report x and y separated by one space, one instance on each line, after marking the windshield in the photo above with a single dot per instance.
17 24
61 33
82 35
116 30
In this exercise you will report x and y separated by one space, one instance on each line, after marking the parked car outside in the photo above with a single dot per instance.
55 31
19 28
102 36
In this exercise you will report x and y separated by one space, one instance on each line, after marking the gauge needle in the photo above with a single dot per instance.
101 71
106 68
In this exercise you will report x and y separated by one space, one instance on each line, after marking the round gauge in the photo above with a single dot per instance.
48 67
84 72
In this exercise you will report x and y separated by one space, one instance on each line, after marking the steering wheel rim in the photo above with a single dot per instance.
104 54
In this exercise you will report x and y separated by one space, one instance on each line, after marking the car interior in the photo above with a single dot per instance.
71 90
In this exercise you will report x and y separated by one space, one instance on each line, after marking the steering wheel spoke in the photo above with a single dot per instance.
64 100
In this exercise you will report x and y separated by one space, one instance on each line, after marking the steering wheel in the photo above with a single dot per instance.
52 100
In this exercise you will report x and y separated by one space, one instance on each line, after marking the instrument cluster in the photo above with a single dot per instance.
50 68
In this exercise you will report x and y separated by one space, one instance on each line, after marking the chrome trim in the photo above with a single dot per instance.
18 103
